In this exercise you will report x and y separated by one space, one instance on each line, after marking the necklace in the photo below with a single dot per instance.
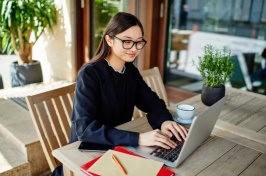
121 72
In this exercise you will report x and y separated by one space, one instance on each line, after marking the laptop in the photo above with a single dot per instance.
200 129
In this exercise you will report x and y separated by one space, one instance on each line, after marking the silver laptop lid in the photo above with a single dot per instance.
201 129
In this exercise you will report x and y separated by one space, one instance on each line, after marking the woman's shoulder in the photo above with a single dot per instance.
94 70
94 66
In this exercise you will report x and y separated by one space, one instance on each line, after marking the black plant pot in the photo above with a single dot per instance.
26 73
210 95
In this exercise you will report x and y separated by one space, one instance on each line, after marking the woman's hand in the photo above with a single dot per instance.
171 128
156 138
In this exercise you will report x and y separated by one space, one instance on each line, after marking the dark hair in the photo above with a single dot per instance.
117 24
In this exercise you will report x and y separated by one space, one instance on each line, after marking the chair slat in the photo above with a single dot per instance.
64 124
52 108
66 105
46 125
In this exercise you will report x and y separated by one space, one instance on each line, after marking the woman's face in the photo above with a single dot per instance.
117 51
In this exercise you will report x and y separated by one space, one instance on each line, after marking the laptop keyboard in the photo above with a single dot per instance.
168 154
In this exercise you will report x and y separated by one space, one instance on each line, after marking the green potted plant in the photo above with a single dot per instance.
22 22
215 67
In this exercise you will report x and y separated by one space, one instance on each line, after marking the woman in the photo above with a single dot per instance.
108 88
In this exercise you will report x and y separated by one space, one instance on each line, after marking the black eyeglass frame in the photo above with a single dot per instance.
134 43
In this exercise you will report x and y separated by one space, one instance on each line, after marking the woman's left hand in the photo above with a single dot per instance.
171 128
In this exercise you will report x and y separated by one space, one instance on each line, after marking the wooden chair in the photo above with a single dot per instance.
240 78
154 80
51 112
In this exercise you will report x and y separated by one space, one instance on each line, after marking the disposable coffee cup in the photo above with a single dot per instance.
185 111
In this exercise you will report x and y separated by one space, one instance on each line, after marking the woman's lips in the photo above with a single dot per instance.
131 55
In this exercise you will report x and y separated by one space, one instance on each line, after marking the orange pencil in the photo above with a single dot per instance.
119 164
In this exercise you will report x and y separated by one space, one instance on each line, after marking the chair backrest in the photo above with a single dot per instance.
237 80
240 78
250 62
51 113
154 80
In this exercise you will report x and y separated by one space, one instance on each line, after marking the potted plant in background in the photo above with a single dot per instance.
22 22
215 67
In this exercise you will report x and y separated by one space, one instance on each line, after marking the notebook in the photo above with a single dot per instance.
199 131
84 168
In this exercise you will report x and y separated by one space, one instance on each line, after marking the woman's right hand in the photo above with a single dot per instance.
156 138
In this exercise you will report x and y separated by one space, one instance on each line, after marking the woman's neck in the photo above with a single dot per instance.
117 64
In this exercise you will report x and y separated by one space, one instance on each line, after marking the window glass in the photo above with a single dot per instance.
102 11
237 24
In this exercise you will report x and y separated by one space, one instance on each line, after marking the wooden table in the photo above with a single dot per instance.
237 145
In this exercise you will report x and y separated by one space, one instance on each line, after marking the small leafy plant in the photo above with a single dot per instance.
215 66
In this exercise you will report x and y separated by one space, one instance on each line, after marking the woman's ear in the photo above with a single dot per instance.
108 40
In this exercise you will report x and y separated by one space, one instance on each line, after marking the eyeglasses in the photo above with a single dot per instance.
128 44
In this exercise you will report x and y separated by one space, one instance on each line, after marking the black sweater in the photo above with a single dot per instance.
105 99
